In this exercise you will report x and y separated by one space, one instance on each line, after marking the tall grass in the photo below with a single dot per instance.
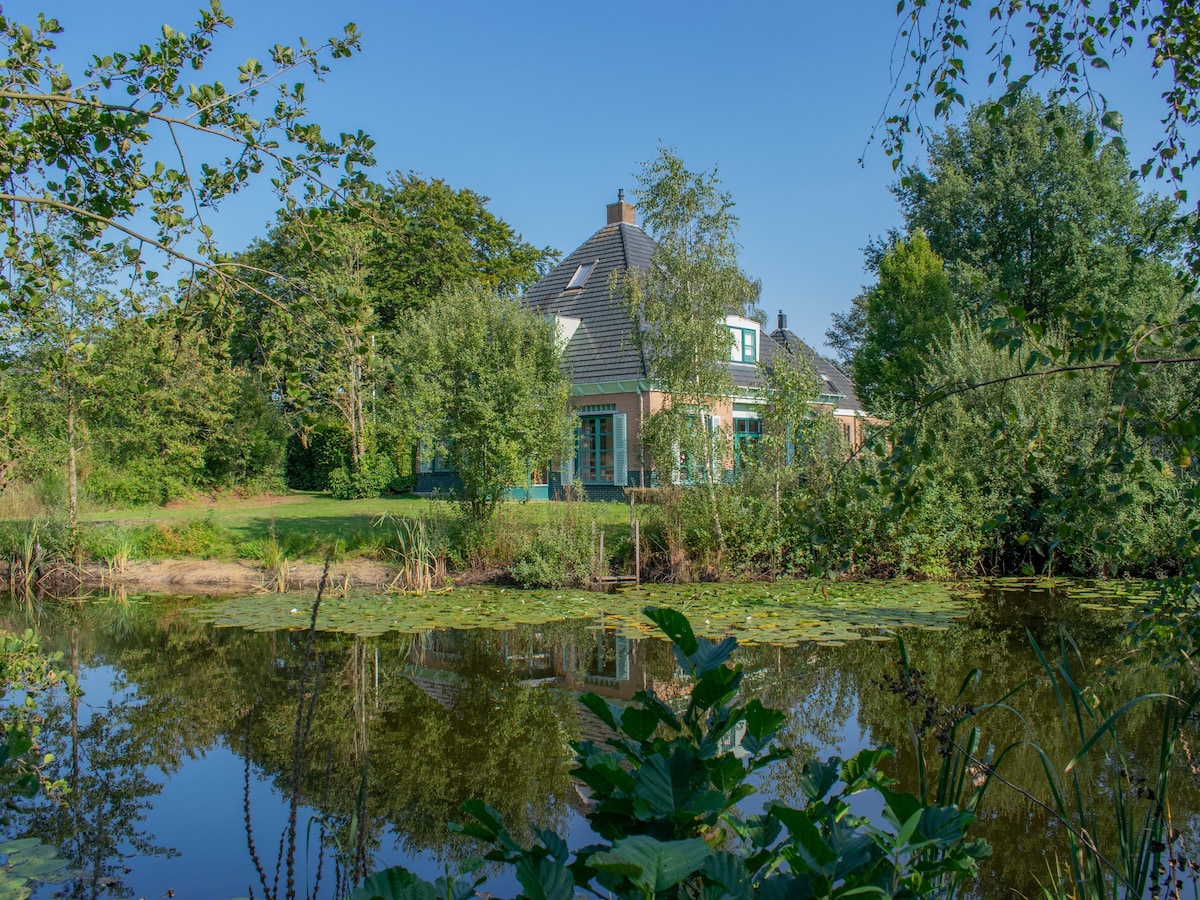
422 563
1103 790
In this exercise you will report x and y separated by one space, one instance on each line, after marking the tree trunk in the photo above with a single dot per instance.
72 469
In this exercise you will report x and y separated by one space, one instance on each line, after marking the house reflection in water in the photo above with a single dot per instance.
574 660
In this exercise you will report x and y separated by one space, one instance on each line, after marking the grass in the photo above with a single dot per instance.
309 525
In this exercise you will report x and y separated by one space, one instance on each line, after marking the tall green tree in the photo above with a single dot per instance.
891 329
311 328
1030 209
326 319
52 327
430 238
492 395
679 306
105 148
172 416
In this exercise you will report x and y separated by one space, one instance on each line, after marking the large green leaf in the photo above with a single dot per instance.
806 839
654 794
638 723
675 626
710 654
395 883
545 879
728 871
600 708
651 864
714 687
818 777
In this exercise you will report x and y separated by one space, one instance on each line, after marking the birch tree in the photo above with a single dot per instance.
679 307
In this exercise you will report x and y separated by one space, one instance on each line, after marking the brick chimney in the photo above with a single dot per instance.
622 212
782 321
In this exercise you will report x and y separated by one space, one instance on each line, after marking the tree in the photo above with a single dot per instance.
893 326
172 417
333 290
680 305
106 147
310 324
1030 209
1067 42
492 396
431 238
53 326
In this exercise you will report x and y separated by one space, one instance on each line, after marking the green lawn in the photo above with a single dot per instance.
310 524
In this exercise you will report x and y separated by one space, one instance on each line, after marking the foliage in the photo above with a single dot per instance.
312 457
894 326
52 328
173 417
431 238
679 306
98 146
26 674
1027 210
373 477
664 795
1067 43
1136 796
485 371
556 556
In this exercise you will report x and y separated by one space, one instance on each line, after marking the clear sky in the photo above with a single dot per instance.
549 107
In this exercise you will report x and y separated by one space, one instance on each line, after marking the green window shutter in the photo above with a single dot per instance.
620 456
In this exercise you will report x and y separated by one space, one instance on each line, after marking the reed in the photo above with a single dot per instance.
422 565
1115 809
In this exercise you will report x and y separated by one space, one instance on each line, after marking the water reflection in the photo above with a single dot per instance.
374 742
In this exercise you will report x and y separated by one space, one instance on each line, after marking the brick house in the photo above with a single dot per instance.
611 395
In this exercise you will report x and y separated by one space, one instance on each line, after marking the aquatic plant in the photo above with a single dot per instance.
1103 788
422 566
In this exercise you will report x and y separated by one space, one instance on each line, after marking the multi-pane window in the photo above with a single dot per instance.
596 449
745 344
746 434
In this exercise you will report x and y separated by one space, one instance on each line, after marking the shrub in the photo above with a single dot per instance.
369 481
202 538
556 556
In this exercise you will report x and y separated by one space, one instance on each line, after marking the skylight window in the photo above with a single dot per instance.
581 275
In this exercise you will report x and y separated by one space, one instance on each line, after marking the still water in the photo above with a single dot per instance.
211 761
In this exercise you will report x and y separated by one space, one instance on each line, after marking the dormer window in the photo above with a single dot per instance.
581 275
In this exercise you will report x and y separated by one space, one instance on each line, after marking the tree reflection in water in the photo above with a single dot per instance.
400 729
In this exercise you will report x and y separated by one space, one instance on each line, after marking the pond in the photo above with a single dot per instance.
215 752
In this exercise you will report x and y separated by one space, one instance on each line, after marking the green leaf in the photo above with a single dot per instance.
651 864
395 883
599 706
675 626
727 870
638 723
818 777
545 879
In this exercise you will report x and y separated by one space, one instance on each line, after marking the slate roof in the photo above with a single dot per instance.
602 347
836 382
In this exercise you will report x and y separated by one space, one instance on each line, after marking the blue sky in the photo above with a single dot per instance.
548 108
